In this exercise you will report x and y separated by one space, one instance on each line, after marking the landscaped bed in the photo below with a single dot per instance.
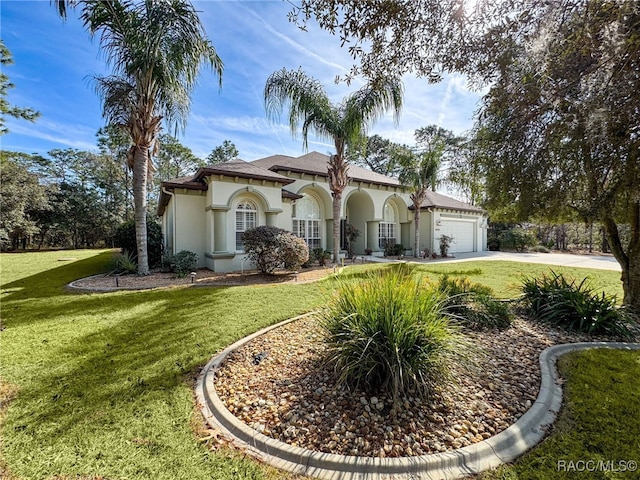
279 385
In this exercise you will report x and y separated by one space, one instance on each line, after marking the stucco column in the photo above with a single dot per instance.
373 231
405 235
272 218
220 231
209 229
216 228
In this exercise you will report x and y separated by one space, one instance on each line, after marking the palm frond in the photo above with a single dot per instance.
119 98
368 104
159 46
308 103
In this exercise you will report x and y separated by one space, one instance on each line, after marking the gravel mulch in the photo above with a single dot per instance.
277 384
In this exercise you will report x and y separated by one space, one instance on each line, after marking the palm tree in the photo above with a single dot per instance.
345 123
419 171
156 49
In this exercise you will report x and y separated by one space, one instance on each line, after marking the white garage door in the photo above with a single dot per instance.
462 234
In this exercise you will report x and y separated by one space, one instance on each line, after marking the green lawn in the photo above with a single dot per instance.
101 385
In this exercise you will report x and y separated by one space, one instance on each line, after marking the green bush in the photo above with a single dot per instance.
321 255
293 251
572 305
125 262
473 304
182 263
272 247
517 239
445 243
493 243
462 285
388 333
540 249
125 238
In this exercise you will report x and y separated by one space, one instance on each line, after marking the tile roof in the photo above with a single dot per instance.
234 168
313 163
316 163
240 168
437 200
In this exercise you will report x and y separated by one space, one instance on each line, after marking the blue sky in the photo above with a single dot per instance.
55 60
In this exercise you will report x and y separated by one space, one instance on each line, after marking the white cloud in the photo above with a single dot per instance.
67 135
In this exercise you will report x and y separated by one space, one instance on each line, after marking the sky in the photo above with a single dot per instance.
55 62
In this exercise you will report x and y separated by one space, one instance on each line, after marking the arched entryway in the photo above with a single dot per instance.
359 211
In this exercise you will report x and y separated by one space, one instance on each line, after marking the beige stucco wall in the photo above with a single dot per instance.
362 206
189 223
204 222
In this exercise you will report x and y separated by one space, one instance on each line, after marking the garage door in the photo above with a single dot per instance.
462 234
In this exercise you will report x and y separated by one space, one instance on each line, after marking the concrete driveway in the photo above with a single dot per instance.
603 262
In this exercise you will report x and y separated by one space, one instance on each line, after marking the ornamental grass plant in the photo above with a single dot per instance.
388 334
473 305
575 306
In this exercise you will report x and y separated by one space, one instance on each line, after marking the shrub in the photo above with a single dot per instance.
462 285
321 255
351 235
493 243
293 251
574 306
540 249
387 332
445 243
272 247
517 239
473 304
125 238
182 263
125 262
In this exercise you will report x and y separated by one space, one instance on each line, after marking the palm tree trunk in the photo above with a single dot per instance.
140 166
416 217
337 203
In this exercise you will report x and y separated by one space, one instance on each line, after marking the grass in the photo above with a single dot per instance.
600 421
101 385
505 277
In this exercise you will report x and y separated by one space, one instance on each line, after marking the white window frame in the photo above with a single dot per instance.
387 228
307 225
246 217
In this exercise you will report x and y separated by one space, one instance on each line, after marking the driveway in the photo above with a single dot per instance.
603 262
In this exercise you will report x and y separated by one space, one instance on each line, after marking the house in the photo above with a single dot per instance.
207 213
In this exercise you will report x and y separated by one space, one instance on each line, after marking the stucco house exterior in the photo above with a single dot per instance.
207 213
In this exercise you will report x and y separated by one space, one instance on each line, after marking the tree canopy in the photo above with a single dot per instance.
6 109
559 129
223 153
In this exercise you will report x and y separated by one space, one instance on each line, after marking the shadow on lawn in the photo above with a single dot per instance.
159 340
53 281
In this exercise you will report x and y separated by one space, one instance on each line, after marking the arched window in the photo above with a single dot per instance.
246 218
387 227
306 220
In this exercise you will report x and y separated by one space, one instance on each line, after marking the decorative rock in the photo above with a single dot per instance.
313 412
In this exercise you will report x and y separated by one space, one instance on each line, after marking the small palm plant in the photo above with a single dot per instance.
389 334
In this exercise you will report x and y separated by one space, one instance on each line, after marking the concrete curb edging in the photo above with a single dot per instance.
509 444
